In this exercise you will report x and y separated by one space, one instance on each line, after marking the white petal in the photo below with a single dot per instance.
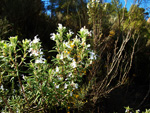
36 40
57 86
57 69
71 93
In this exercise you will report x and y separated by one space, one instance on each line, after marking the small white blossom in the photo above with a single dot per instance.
52 36
66 44
35 52
58 34
69 57
126 111
57 69
23 76
75 85
70 74
70 33
36 40
65 86
40 60
91 32
91 61
76 40
84 31
74 64
60 78
88 45
71 93
92 56
66 79
61 56
57 86
138 111
2 88
60 27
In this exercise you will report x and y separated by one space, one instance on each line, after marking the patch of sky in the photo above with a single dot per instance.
47 6
143 4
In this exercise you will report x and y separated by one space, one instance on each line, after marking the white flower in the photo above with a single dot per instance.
57 86
75 85
69 74
138 111
76 40
91 61
126 111
23 76
2 88
88 45
52 36
90 33
61 56
35 52
36 40
69 57
65 86
66 44
74 64
60 26
70 33
71 93
40 60
66 79
92 56
57 69
40 52
58 34
84 31
60 78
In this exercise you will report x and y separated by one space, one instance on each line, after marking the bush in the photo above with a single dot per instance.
43 86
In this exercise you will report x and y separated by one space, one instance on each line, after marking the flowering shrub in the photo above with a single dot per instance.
44 86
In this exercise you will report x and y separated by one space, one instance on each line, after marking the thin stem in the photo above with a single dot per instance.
22 87
5 101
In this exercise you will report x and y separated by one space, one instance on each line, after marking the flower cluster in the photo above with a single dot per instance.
74 56
35 50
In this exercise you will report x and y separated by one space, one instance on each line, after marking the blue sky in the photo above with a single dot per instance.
129 3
